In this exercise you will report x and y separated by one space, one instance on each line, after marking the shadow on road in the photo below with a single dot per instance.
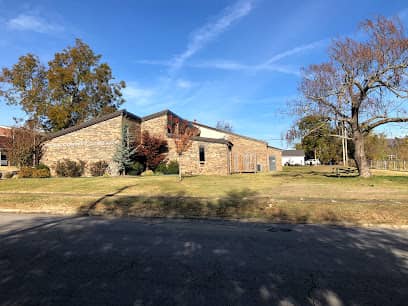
99 261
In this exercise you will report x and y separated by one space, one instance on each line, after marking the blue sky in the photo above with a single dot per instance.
208 60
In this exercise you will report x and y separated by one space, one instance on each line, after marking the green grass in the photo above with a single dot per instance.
298 194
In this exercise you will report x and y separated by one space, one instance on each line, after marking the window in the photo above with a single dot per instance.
202 154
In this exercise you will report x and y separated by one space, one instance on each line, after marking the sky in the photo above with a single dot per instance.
208 60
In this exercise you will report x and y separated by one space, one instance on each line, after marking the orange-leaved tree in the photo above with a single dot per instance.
183 135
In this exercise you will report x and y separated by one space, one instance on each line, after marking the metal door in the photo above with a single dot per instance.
272 163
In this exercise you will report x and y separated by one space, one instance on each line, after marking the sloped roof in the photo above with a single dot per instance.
148 117
293 153
227 132
213 140
122 112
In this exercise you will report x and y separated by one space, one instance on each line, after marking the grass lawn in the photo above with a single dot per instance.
298 194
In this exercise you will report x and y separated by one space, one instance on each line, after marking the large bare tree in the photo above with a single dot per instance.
364 83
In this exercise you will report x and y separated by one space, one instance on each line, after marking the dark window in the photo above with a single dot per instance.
202 154
258 168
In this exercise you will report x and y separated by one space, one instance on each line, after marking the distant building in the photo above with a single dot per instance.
5 134
293 157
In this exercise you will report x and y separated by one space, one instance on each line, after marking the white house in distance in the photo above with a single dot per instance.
293 157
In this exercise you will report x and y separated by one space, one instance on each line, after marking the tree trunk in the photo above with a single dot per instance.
359 154
179 162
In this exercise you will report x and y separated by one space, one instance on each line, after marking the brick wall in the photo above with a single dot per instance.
89 144
216 159
254 151
134 130
156 126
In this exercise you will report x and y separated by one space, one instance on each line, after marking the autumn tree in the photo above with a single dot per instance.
24 147
318 138
376 146
364 83
401 148
74 87
183 136
152 150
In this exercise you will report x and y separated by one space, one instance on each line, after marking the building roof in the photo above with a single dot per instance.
167 111
5 130
122 112
207 139
227 132
158 114
272 147
293 153
148 117
213 140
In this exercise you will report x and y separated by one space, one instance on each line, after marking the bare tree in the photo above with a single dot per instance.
224 125
364 84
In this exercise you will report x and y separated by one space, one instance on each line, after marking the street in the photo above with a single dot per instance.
48 260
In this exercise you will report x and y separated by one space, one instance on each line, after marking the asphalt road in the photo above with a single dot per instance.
96 261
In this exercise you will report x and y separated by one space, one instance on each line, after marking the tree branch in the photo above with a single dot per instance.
384 121
331 106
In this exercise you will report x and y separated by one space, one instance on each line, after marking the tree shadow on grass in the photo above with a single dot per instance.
236 203
100 261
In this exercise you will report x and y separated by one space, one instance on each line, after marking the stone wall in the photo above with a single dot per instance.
134 130
254 151
89 144
156 126
216 159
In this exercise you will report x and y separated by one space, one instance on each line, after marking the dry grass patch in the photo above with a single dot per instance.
294 195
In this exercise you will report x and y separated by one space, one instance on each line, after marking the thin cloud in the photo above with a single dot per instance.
226 65
24 22
211 30
236 66
134 93
269 65
296 50
184 84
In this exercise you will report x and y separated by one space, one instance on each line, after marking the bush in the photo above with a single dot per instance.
42 166
161 168
135 169
171 168
28 172
148 173
9 175
41 173
98 168
69 168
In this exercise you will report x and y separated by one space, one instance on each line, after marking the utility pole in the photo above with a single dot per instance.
343 135
345 144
